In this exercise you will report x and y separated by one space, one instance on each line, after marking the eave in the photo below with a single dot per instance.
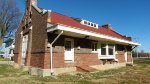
78 32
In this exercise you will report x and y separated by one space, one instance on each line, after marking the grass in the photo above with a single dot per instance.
2 59
138 74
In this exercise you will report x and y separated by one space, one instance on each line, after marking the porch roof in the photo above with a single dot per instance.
81 33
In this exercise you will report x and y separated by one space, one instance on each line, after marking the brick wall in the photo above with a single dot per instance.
39 32
28 59
87 59
120 56
18 43
16 58
37 60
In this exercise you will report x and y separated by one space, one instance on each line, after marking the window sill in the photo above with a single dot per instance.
94 52
107 57
69 61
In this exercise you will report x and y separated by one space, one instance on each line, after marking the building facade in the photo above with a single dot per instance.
48 43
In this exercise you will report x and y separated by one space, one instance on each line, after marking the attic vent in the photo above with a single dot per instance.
88 23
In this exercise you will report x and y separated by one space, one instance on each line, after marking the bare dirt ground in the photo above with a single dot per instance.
137 74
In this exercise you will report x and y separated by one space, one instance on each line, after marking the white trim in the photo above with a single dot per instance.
30 28
95 51
107 50
126 56
99 49
106 57
21 33
85 32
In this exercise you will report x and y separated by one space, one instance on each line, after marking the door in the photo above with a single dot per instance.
24 49
69 50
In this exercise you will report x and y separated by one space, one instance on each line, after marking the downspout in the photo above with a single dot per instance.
51 50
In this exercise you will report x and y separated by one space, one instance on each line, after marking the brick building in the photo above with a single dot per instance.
47 42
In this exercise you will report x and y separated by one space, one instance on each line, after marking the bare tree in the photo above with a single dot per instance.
9 18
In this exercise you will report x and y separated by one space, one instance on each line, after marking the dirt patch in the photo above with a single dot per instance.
138 74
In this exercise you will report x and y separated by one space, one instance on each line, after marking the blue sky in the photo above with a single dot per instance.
128 17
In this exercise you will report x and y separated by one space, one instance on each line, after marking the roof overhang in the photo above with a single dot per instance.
78 32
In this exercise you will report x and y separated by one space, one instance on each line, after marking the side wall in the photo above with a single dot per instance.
37 38
79 55
83 56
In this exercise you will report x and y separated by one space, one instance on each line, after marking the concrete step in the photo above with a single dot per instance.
85 68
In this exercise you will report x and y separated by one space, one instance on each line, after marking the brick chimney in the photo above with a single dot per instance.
34 2
108 26
129 38
29 2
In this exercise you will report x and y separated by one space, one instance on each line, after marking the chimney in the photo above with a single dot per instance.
108 26
34 2
129 38
29 2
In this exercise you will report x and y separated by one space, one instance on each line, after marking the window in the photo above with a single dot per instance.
110 49
89 23
103 49
85 22
107 49
68 45
94 46
30 15
92 24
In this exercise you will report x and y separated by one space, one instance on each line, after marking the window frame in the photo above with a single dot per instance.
107 50
95 47
113 47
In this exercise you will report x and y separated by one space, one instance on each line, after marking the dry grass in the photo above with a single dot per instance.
138 74
2 59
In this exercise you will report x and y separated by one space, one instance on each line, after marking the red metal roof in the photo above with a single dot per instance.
69 21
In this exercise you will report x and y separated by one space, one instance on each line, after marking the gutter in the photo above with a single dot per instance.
51 52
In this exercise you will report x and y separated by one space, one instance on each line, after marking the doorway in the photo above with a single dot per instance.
24 49
69 50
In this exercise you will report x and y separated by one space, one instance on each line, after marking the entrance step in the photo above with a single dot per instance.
129 64
85 68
